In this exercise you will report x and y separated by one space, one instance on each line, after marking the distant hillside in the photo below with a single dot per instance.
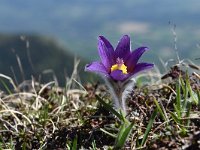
36 55
78 23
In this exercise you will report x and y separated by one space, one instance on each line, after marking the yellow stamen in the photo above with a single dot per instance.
121 67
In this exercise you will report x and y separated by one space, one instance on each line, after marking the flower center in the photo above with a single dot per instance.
119 66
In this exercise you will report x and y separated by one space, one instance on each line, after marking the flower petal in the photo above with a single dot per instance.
106 42
123 48
118 75
133 58
97 67
141 67
106 52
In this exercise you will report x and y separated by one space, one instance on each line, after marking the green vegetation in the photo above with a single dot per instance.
164 114
43 107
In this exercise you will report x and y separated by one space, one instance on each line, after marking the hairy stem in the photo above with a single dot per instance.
119 91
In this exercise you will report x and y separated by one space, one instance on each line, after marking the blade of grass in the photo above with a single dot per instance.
123 135
6 87
109 107
176 110
149 126
198 95
94 147
191 92
185 93
112 135
120 133
10 80
188 114
182 84
74 144
174 116
159 109
178 99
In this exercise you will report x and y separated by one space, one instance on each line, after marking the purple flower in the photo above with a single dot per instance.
119 64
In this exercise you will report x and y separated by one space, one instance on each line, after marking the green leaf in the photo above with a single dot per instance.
178 99
74 144
198 95
149 126
123 135
188 114
120 133
6 87
110 108
185 93
94 145
192 93
159 109
183 86
174 116
177 111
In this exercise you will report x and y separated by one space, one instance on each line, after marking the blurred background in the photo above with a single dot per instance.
42 37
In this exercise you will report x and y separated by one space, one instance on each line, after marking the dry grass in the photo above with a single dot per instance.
46 116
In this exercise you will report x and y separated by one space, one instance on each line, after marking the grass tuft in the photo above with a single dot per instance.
164 114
